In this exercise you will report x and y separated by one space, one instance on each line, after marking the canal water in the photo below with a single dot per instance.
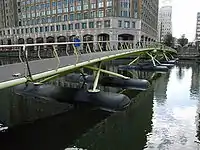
166 116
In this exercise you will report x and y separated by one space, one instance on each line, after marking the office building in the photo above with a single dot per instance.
164 22
59 20
8 13
198 27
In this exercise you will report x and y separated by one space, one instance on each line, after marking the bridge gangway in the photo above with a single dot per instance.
19 73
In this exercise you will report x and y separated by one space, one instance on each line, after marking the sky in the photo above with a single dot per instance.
184 13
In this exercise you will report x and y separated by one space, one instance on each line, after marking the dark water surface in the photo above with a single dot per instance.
166 116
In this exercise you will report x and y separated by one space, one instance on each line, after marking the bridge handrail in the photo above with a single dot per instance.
127 48
107 45
64 43
83 42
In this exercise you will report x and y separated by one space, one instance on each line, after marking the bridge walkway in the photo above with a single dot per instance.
44 68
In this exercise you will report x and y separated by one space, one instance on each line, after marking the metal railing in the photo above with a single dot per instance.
110 50
55 50
85 47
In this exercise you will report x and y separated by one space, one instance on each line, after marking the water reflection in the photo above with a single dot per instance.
174 122
38 124
166 116
17 109
160 89
195 80
125 130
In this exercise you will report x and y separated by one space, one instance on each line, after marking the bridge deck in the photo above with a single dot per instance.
43 65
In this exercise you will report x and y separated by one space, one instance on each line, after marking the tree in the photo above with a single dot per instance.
169 40
183 41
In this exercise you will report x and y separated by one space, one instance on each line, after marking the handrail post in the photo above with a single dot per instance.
27 64
56 56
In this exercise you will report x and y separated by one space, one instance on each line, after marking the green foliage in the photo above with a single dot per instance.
183 41
169 40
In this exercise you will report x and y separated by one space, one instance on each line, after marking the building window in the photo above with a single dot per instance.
100 13
70 26
53 11
48 12
48 19
79 16
38 21
85 6
31 30
84 25
107 23
52 28
93 14
59 19
98 24
91 24
109 12
33 14
57 27
77 26
41 29
43 20
65 17
125 13
47 28
100 4
126 24
71 8
53 19
93 5
42 13
109 3
53 4
59 10
85 15
71 17
29 22
59 4
64 27
78 7
36 29
66 9
120 23
133 24
22 31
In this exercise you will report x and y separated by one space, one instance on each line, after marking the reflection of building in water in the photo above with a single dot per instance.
195 79
194 93
198 122
160 88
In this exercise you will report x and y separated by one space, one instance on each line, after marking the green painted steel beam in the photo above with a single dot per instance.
107 72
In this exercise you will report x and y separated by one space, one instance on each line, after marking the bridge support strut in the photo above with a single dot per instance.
153 58
99 70
167 59
29 76
136 59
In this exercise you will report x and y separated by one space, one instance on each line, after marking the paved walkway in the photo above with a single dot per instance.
43 65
